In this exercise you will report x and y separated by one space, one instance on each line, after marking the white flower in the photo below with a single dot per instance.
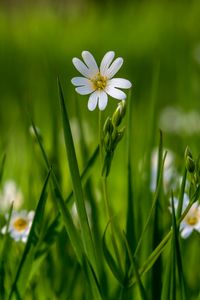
10 193
169 173
192 219
20 225
99 82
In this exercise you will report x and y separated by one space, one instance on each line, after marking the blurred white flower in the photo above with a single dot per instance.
170 175
10 193
99 82
77 133
20 225
176 121
192 219
74 213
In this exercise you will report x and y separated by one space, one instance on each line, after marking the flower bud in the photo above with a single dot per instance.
119 113
118 137
108 126
188 153
190 164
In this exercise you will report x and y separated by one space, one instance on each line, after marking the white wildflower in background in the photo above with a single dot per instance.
99 81
10 194
74 213
169 173
20 225
76 132
192 219
175 120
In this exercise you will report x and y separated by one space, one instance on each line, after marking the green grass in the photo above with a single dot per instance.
127 245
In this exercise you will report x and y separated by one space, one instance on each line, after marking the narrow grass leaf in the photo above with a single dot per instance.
167 276
135 267
130 227
92 280
2 167
115 269
155 199
76 183
67 219
182 191
157 268
24 268
4 254
177 254
173 254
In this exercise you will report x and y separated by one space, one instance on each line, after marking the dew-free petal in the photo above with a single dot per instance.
115 93
84 90
103 100
81 67
90 62
106 62
92 102
114 68
120 83
80 81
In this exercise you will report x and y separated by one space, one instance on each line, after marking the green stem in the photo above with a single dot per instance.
109 214
100 140
105 194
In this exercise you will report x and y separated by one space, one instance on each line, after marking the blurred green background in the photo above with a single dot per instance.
38 40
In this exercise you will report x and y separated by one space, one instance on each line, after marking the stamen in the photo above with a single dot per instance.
20 224
99 82
192 220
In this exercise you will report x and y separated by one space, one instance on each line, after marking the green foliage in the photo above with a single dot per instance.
112 236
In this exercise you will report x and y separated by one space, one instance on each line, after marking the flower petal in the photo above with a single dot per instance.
120 83
186 232
81 67
84 90
115 93
103 100
80 81
92 102
106 61
114 68
90 62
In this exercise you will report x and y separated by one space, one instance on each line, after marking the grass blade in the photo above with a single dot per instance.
31 245
67 219
130 227
2 167
76 183
177 254
135 267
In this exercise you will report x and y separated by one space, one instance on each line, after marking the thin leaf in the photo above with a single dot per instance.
117 272
76 183
4 254
67 219
130 227
157 268
177 254
155 199
2 167
182 191
135 267
31 245
174 245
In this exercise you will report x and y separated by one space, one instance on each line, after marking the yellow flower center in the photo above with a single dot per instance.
193 217
99 82
192 220
20 224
